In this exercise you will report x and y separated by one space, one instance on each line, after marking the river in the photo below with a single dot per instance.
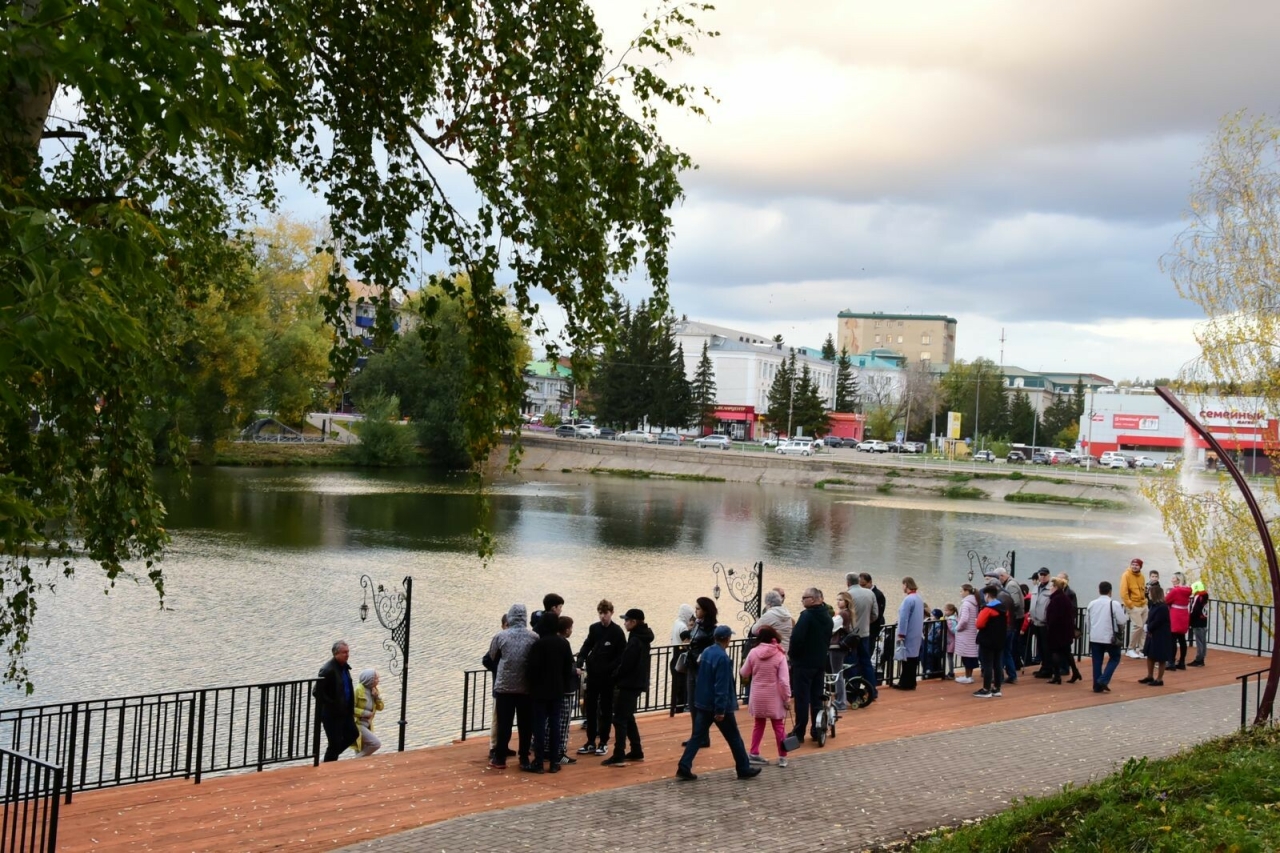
264 571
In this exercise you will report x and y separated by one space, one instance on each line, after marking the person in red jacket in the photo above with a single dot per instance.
992 628
1178 597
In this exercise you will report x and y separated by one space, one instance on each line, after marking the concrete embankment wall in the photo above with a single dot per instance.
613 457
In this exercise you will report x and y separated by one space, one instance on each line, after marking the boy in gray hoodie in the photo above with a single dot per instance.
509 652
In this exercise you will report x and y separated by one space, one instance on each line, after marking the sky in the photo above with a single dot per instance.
1019 166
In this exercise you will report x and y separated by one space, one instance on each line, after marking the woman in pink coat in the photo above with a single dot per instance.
766 666
967 633
1178 597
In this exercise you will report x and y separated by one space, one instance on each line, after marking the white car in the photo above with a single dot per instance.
873 446
1169 465
638 435
1115 462
717 442
1145 462
802 448
587 431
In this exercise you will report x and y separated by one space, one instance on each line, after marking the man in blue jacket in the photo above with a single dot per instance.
715 701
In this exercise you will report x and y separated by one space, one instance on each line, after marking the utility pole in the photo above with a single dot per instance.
977 403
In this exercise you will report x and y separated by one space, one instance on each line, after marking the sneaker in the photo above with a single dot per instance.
602 749
587 749
531 768
634 755
614 761
497 765
749 773
961 679
686 775
982 693
996 694
757 759
782 762
1196 663
564 759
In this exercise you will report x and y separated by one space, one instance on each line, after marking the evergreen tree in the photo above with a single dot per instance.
1079 398
1023 426
810 411
704 391
1002 417
1060 415
781 395
829 349
846 384
614 379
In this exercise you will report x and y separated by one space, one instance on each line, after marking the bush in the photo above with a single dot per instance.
551 419
383 440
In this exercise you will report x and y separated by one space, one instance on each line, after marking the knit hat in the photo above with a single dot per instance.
1136 561
1197 587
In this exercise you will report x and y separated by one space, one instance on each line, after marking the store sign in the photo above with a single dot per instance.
953 424
1232 417
1099 419
1143 423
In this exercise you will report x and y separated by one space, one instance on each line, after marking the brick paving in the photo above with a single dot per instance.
848 799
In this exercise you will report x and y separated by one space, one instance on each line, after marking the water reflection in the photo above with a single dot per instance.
265 567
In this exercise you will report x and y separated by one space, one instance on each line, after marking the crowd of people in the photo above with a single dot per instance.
998 630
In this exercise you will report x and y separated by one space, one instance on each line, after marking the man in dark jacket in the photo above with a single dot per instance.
336 700
550 672
808 658
630 679
715 701
598 656
877 624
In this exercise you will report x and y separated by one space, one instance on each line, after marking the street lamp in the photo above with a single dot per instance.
745 586
392 609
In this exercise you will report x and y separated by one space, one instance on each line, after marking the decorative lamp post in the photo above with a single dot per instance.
392 609
980 564
1268 546
745 586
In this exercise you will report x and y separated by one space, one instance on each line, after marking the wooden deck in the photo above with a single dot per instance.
335 805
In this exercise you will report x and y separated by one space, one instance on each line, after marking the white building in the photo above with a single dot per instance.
745 364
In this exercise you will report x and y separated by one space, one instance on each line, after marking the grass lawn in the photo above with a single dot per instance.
1223 795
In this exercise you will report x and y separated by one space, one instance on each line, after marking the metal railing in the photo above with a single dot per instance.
1256 679
1232 625
28 803
103 743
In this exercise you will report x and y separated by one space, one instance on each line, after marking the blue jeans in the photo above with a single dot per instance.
702 721
1102 677
1010 663
865 666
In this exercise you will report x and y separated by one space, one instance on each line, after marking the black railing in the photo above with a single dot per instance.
1254 678
30 803
103 743
1246 627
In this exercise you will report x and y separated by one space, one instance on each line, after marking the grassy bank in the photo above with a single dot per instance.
636 474
1221 795
1036 498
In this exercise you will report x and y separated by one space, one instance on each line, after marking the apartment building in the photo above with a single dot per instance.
929 338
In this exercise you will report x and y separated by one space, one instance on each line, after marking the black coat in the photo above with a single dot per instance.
632 671
1059 622
1159 644
602 649
550 668
878 622
331 691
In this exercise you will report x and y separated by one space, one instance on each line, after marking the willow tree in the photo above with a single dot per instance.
501 140
1227 261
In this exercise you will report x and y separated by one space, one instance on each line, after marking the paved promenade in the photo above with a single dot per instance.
908 762
848 799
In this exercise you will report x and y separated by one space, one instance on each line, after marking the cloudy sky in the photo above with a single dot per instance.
1016 165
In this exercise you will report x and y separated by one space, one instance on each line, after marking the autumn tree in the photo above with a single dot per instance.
1227 261
176 121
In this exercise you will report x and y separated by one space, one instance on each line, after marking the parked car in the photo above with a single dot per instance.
832 441
1039 459
769 442
873 446
670 438
1015 456
715 442
1145 462
638 435
913 447
611 434
587 431
801 448
1169 465
984 456
566 431
1115 462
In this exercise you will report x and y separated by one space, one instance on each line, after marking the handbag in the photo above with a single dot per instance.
900 650
1117 633
682 663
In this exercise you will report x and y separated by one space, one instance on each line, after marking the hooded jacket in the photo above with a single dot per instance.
714 691
779 619
1133 589
632 671
770 676
509 651
991 625
680 629
549 670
